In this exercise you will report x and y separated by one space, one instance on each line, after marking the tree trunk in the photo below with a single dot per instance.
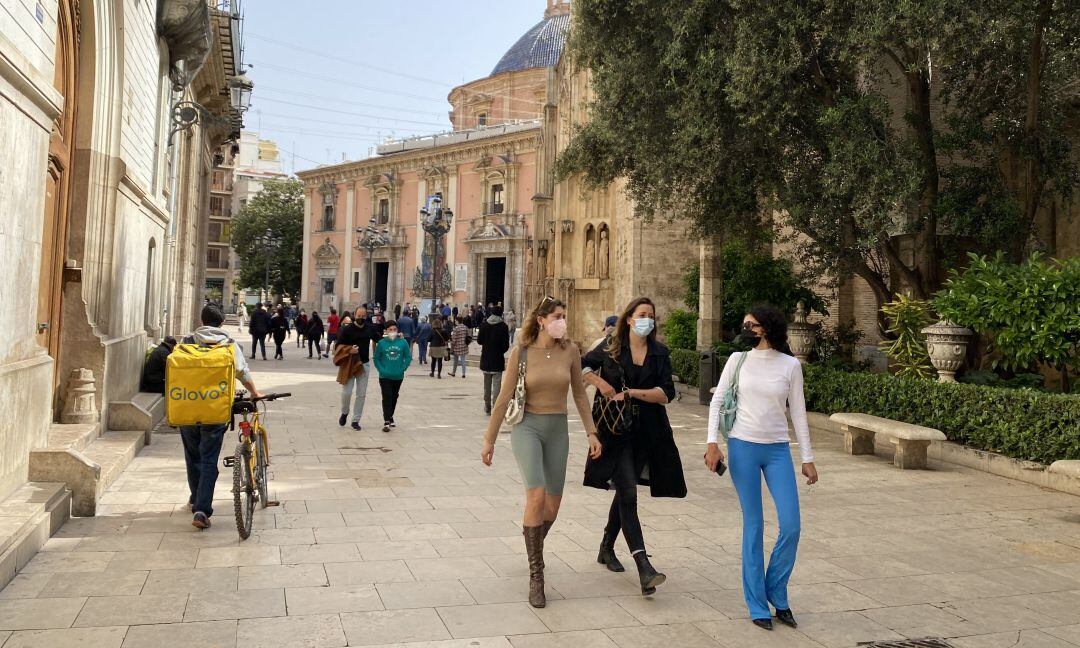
1033 185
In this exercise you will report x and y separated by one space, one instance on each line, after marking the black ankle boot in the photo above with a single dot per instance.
649 577
607 554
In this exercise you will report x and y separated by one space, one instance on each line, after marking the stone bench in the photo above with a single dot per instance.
1066 468
910 440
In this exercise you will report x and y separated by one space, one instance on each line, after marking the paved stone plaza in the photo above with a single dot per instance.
406 539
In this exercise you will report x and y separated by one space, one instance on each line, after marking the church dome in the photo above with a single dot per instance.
540 47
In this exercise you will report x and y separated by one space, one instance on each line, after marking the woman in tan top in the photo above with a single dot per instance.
541 440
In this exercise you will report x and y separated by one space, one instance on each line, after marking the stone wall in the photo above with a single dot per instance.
28 104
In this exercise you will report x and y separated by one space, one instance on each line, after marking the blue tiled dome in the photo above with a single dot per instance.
541 46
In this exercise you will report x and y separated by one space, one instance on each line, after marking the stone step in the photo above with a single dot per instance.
89 471
28 517
143 411
72 435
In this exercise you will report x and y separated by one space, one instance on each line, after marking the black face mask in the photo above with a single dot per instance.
748 338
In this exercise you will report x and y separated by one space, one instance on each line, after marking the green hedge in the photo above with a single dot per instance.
685 365
1019 423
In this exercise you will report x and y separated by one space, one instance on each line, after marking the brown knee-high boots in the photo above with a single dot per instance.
534 547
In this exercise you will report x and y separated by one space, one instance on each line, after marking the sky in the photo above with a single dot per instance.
335 77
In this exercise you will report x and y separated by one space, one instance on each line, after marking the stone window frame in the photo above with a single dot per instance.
385 186
498 176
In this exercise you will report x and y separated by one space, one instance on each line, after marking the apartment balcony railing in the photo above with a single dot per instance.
225 212
493 208
220 264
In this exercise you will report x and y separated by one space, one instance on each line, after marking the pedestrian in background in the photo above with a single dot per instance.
259 328
314 335
397 311
440 341
279 328
511 324
633 370
541 441
770 388
459 346
333 327
423 338
301 328
392 359
494 340
358 337
242 315
406 326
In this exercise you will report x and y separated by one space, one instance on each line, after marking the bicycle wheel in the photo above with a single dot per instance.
243 489
261 477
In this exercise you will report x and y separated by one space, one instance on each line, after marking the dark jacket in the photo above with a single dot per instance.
359 334
494 339
260 322
153 377
315 327
301 324
439 336
423 332
652 440
406 325
279 327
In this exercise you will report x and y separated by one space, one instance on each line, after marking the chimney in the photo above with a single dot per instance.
557 8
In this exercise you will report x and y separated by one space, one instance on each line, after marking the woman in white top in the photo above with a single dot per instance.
770 385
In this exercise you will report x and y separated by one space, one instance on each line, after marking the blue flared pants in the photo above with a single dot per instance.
748 461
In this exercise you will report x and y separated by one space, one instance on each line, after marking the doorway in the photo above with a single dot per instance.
494 280
382 284
329 299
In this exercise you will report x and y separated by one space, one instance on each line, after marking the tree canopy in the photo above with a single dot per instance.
888 136
278 207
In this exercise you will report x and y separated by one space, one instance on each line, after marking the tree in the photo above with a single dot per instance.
751 277
880 133
278 207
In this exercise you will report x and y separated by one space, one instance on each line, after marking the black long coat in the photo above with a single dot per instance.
494 339
652 440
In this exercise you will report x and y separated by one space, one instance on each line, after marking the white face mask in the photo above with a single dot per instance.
392 335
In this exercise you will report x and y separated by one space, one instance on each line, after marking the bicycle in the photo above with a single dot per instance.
250 459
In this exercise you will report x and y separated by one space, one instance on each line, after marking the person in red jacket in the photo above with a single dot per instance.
333 325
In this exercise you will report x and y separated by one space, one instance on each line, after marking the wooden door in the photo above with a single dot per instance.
57 182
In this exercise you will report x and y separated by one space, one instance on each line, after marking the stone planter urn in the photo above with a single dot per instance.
801 334
947 345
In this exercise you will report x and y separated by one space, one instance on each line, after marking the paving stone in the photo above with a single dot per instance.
214 606
490 620
682 635
39 614
393 627
131 610
668 609
314 631
584 614
274 576
844 629
69 562
239 556
744 634
319 553
68 638
573 639
203 634
368 572
435 569
151 560
94 584
185 581
332 600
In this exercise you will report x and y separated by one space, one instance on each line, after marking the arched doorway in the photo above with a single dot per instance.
58 179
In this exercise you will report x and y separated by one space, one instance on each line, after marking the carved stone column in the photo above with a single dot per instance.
710 328
80 406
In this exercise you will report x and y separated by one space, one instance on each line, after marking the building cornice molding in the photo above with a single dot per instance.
465 153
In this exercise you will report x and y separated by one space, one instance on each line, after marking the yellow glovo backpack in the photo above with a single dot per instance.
200 384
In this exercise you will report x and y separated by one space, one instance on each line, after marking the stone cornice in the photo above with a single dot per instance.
520 142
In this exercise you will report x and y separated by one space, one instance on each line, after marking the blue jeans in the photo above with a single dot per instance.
458 360
747 462
423 344
202 448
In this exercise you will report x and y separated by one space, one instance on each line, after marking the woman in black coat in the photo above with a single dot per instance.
279 328
633 369
314 335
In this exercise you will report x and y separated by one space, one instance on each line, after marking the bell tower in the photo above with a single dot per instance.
557 8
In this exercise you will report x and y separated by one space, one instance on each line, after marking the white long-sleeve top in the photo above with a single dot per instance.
770 384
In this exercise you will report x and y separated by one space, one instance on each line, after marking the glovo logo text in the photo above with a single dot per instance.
208 394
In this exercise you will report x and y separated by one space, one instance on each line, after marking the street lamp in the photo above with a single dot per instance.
436 223
369 238
268 242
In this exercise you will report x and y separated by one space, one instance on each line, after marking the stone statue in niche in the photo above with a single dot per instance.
604 252
590 251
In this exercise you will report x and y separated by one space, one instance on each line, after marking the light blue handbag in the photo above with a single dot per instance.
730 403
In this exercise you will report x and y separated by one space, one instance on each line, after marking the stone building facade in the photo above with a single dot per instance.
240 169
102 206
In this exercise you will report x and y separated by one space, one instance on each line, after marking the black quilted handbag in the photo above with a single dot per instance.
615 417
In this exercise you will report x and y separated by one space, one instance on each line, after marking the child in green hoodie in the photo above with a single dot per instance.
392 357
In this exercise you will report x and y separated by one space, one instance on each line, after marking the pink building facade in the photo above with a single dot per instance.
486 170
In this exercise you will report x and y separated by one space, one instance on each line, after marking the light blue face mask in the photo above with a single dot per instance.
643 326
